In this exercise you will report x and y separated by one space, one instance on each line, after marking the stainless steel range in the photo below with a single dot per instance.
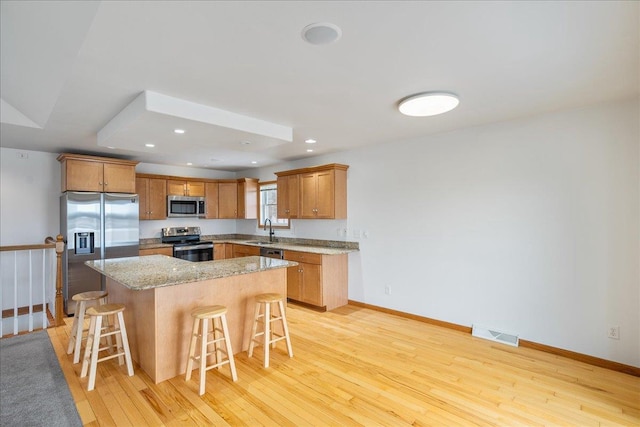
187 244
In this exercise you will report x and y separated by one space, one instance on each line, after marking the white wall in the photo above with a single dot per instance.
29 196
528 226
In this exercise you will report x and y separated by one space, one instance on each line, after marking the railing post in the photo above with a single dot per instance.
59 300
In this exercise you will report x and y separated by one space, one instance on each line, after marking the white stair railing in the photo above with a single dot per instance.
29 287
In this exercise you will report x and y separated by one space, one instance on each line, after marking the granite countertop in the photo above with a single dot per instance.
155 271
323 247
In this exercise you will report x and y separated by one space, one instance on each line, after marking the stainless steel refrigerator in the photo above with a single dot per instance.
95 226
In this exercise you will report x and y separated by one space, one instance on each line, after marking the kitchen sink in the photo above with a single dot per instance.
258 242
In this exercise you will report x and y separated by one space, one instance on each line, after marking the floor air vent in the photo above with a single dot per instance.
489 334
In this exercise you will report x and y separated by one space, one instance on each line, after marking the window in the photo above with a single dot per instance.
269 205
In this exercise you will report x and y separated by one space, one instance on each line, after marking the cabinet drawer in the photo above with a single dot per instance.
305 257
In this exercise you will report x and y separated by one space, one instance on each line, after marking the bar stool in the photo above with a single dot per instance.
77 330
96 332
266 318
217 315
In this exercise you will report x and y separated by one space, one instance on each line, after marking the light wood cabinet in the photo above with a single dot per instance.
245 250
318 280
322 191
211 200
248 198
219 251
185 188
288 196
227 199
156 251
100 174
152 194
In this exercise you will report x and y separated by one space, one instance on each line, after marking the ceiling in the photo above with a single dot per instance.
240 80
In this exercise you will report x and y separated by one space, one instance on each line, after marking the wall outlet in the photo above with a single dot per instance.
387 290
614 332
22 155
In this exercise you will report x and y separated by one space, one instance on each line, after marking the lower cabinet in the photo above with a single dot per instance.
219 251
157 251
318 280
245 250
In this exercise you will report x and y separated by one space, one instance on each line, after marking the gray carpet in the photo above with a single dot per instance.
33 391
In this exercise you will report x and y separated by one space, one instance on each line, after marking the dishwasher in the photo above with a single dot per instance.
271 253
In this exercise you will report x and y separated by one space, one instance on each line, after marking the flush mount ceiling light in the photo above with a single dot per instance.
310 141
428 104
180 131
149 145
321 33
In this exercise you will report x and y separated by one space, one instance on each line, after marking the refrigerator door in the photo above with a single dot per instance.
81 224
121 225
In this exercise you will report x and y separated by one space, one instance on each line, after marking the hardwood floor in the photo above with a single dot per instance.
356 366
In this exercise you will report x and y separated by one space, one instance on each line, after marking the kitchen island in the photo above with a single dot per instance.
160 292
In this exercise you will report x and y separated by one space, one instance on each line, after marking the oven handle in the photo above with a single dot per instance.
192 247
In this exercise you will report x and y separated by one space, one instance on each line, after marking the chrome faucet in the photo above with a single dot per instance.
271 232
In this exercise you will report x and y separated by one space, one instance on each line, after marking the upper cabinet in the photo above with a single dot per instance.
322 192
238 199
288 196
211 201
228 199
152 193
100 174
248 198
185 188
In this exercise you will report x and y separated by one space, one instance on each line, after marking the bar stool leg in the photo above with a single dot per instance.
227 344
76 336
285 328
267 333
125 342
254 329
95 348
203 355
192 347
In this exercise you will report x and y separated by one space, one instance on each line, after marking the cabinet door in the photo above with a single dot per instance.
156 251
176 188
195 189
157 198
294 276
228 200
244 250
85 176
311 284
248 199
119 178
142 188
325 201
219 251
211 200
288 196
308 195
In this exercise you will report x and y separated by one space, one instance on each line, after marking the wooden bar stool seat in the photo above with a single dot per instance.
220 334
96 332
77 330
266 317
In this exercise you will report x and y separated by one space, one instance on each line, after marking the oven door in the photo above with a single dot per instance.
194 253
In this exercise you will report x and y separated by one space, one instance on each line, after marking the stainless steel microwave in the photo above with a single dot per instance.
185 206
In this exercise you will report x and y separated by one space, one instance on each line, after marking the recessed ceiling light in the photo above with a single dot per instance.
310 141
149 145
180 131
111 148
245 142
309 150
189 164
321 33
428 104
253 162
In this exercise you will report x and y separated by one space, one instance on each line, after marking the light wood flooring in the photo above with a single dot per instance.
356 366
